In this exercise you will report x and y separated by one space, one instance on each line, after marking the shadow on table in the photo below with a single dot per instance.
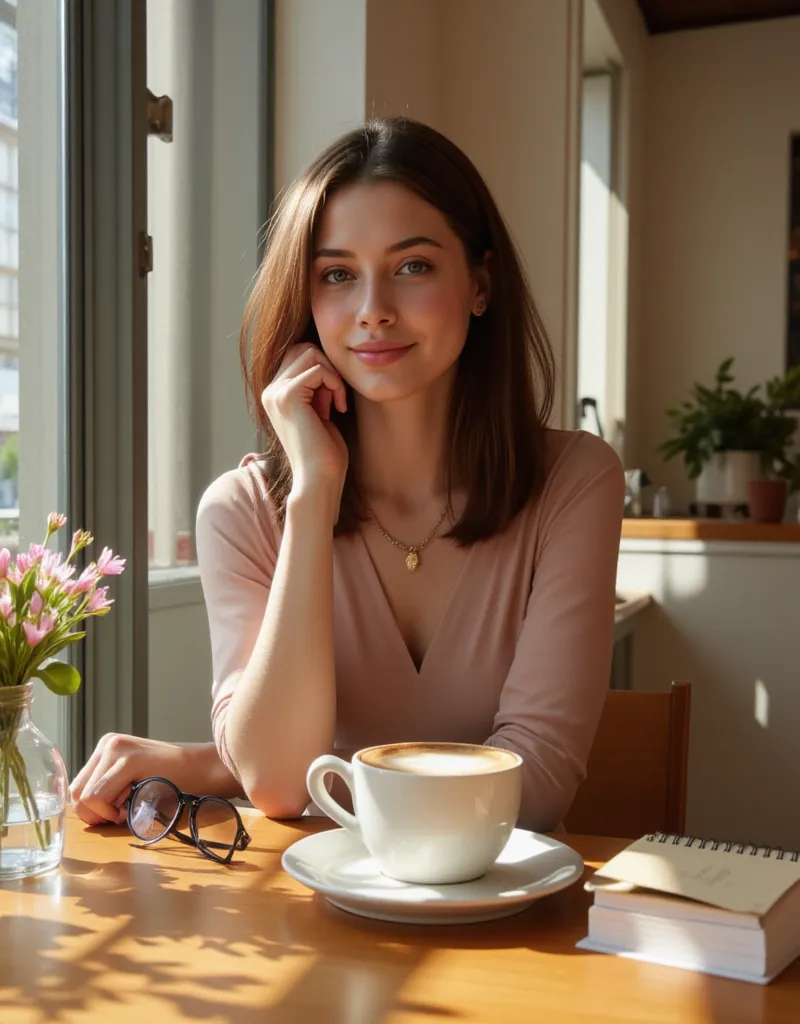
187 937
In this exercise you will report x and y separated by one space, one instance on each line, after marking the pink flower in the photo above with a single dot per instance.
63 572
71 589
36 604
85 581
51 570
35 634
55 521
24 562
108 564
80 539
5 558
7 608
50 562
36 552
14 575
98 602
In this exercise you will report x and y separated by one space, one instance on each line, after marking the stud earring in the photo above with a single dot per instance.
480 307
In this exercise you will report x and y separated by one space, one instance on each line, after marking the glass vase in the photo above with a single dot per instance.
33 790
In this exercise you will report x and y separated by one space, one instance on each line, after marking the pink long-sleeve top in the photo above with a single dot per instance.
521 656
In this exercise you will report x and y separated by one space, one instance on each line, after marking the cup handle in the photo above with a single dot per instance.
315 781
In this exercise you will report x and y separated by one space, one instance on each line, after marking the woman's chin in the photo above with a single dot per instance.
382 388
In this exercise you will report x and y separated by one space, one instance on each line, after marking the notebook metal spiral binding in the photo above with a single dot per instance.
726 846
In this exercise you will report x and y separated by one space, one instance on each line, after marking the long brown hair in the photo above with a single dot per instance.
504 384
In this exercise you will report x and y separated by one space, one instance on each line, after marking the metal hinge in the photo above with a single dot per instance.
145 253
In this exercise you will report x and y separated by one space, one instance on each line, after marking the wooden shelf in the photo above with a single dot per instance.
709 529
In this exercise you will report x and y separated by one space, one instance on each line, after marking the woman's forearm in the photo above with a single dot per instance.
202 772
282 713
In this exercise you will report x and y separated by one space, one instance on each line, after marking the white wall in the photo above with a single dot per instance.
180 665
726 621
512 96
404 60
721 105
320 78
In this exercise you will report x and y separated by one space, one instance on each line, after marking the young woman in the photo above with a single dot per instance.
416 556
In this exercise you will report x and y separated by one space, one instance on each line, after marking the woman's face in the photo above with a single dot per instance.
391 290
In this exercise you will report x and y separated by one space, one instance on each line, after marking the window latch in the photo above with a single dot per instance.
145 254
159 116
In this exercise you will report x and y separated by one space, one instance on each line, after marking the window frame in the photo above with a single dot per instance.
107 349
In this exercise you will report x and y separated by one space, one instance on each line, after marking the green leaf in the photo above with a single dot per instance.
59 677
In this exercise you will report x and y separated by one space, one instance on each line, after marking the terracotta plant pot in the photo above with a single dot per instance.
767 500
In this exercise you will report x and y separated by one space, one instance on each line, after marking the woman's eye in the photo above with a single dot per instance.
415 267
336 275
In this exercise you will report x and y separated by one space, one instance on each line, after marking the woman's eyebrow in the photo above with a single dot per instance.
407 243
412 243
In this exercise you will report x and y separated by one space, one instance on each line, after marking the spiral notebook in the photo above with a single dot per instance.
723 908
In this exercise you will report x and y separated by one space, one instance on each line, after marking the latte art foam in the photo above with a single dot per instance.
439 759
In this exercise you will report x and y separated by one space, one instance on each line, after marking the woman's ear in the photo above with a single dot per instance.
483 285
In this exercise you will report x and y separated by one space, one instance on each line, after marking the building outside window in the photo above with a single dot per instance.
9 280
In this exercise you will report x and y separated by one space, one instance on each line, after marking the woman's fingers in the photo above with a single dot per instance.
322 402
99 790
103 797
304 357
283 393
340 398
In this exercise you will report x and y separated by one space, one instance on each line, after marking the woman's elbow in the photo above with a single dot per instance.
272 806
275 801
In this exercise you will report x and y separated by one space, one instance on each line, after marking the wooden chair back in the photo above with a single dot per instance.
636 775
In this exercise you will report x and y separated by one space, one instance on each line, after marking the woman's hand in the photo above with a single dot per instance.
298 403
100 789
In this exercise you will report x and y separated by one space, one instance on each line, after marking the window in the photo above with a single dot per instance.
595 205
206 207
601 376
33 330
9 279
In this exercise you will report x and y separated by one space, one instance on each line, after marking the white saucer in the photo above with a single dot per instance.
337 865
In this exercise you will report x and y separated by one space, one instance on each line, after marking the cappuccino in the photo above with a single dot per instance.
439 758
429 813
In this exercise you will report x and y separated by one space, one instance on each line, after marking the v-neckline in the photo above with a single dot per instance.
383 601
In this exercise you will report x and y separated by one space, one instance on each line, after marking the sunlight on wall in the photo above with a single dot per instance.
762 704
685 576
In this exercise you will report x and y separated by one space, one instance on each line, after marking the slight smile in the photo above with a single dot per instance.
380 353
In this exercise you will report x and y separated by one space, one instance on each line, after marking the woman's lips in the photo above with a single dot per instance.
382 355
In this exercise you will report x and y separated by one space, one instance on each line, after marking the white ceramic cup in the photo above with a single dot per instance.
428 813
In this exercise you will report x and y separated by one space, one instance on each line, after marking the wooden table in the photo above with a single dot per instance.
123 934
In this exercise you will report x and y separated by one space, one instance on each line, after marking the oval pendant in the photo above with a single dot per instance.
412 561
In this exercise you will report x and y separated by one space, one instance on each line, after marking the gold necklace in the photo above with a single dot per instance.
413 550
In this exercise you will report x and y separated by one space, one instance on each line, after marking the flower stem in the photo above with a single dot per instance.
13 765
3 825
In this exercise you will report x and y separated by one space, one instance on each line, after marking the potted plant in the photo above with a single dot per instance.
731 439
767 496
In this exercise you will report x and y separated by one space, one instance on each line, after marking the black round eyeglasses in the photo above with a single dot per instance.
154 809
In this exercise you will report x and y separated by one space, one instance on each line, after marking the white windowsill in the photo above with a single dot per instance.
174 588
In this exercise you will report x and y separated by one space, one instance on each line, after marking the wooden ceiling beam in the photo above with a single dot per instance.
678 15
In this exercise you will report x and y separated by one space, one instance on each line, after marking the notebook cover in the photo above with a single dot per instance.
748 880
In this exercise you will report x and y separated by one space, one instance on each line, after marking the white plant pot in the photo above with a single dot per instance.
723 480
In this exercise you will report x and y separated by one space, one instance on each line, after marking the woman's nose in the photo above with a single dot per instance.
377 309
